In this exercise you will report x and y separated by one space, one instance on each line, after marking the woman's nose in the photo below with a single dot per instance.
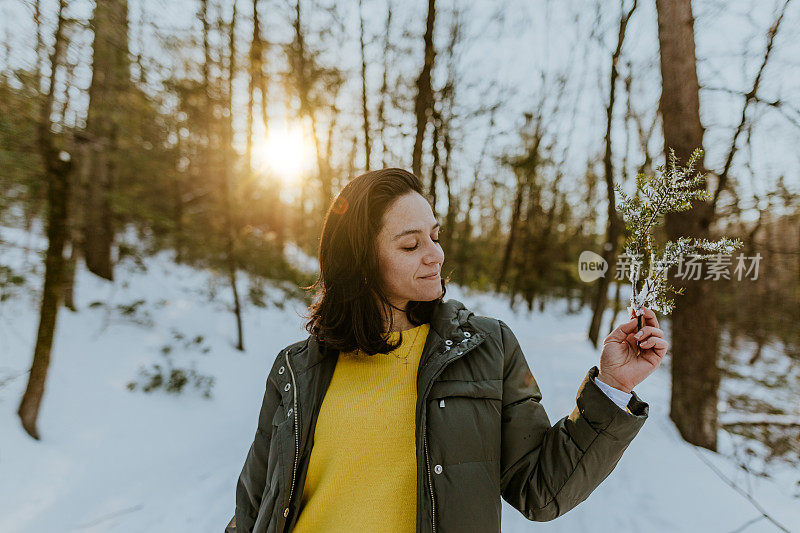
435 254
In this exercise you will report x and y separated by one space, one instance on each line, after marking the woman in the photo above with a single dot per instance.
405 412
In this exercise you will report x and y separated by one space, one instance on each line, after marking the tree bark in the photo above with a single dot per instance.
432 196
512 236
614 226
57 169
229 160
302 66
110 76
364 106
256 81
384 93
695 375
462 243
424 100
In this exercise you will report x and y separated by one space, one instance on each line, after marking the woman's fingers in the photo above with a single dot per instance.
658 345
621 333
648 331
629 331
649 316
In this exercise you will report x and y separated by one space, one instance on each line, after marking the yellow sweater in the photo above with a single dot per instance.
362 474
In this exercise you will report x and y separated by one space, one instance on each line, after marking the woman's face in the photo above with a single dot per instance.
409 250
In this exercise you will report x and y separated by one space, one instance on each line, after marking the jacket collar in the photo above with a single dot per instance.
447 318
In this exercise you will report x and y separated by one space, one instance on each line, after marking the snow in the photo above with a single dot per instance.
115 460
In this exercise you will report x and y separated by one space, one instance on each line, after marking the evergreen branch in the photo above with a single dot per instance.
671 189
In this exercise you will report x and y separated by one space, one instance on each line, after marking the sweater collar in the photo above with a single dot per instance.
446 319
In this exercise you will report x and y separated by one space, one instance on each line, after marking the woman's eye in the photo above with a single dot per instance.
416 245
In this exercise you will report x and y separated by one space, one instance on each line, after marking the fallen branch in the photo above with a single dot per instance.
738 489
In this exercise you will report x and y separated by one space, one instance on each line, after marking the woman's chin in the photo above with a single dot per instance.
428 295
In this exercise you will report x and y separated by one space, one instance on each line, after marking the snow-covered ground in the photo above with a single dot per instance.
115 460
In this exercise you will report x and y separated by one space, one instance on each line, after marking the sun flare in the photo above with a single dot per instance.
286 151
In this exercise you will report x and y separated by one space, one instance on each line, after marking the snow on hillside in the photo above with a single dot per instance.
115 460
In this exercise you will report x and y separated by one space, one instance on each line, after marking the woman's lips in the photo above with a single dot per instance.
432 277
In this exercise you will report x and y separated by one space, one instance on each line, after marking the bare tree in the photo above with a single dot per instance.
384 92
228 155
110 76
305 74
37 19
527 198
57 168
74 224
749 98
424 100
465 234
695 375
444 122
364 107
257 81
614 226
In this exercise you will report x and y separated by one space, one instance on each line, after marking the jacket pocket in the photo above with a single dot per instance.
464 420
486 388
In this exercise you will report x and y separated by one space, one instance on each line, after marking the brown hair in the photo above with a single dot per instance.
346 314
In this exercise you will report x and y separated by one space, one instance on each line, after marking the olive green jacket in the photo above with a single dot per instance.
481 433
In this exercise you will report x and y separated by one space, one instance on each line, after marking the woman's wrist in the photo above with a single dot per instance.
608 380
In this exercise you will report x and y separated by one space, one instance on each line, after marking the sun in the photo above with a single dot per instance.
286 151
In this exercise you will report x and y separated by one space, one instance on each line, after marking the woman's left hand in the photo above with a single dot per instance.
620 367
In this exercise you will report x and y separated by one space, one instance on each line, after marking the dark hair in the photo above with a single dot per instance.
346 314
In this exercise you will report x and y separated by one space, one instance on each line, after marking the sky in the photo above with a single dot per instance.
506 52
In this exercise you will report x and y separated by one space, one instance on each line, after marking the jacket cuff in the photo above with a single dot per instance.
620 397
603 415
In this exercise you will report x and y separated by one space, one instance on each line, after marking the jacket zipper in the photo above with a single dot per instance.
296 434
430 483
425 430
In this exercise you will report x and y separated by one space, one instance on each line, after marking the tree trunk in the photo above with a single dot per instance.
208 122
614 226
68 284
512 236
251 90
57 169
178 211
110 76
364 106
695 375
424 100
37 19
522 273
80 157
384 94
229 160
465 235
256 81
452 205
262 76
435 156
301 64
444 120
